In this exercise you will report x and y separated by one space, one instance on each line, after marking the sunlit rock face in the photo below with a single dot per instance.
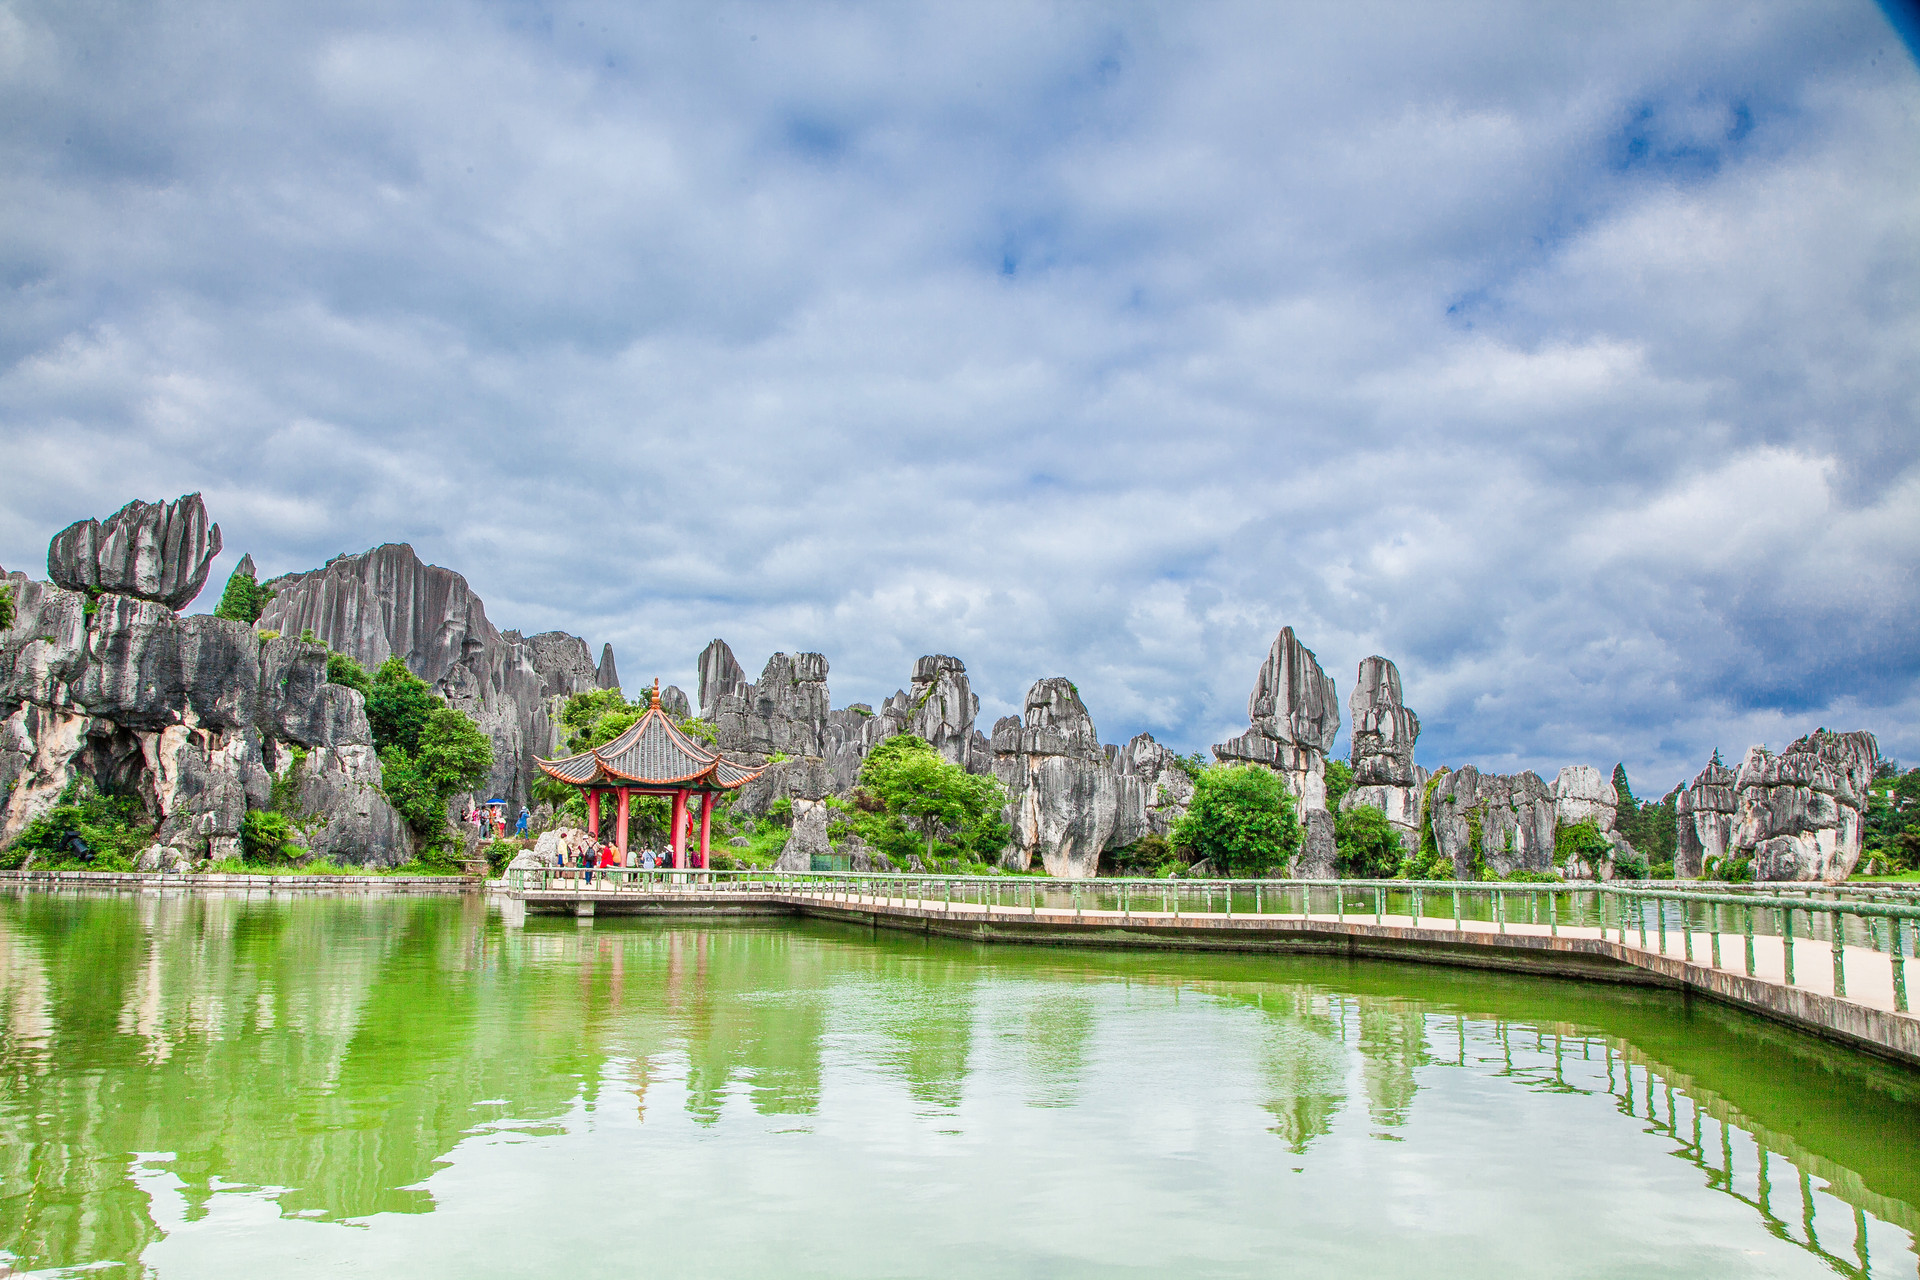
1799 815
1062 789
1154 790
1703 819
1501 823
1295 715
155 551
194 716
1384 732
386 602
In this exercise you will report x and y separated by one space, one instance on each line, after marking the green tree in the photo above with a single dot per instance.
398 706
1366 847
1241 820
1339 782
342 669
244 599
912 800
6 607
1580 840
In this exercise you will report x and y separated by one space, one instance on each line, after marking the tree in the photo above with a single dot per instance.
1366 847
1339 782
1241 820
398 706
915 801
342 669
6 607
244 599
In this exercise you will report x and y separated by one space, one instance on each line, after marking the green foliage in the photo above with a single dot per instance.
266 835
1241 820
1339 782
244 600
499 853
342 669
597 717
114 828
1192 765
1476 844
1366 847
1891 836
1730 870
912 801
1580 840
1524 876
398 706
1647 825
6 608
1150 855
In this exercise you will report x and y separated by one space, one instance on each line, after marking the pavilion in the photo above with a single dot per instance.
652 758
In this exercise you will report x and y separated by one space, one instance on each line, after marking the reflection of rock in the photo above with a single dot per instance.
1703 819
1384 732
1506 822
158 551
1799 815
385 602
1063 794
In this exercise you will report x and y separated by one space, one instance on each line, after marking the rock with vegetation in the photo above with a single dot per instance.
387 603
1491 825
1703 818
154 551
1155 788
1799 814
1581 793
191 729
1063 794
1295 714
1384 733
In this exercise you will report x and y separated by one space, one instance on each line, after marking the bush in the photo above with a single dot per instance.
342 669
1523 876
1581 840
398 705
1366 847
499 853
84 831
244 600
1241 820
1150 855
1728 869
1339 779
6 607
267 836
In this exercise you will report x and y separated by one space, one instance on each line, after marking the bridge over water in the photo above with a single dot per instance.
1830 960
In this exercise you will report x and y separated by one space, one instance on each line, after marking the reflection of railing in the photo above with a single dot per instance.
1857 934
1690 1128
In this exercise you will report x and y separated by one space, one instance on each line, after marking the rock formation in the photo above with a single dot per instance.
385 602
1582 793
1799 814
1384 731
192 715
1063 793
1154 791
1703 819
157 551
1295 714
1503 822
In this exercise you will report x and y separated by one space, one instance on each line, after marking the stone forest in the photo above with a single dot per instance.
205 731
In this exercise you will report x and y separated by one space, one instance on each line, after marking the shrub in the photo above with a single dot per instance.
1580 840
1366 847
1339 781
342 669
84 831
267 836
1524 876
1241 820
398 705
6 607
1729 869
244 599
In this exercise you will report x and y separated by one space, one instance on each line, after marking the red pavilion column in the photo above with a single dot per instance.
593 814
620 832
706 825
680 830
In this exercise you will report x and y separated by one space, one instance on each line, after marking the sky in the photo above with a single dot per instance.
1567 355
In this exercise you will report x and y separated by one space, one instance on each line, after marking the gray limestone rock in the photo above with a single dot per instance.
943 708
673 701
1581 793
1800 813
1317 859
1514 817
720 676
607 676
45 650
1063 793
157 551
808 838
1384 732
1703 819
1154 790
1295 714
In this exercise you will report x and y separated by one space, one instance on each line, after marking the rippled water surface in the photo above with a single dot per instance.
203 1087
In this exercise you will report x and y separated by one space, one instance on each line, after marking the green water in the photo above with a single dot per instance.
199 1087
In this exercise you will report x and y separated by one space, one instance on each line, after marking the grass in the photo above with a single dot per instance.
319 867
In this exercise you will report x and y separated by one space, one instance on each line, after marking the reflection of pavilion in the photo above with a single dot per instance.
652 758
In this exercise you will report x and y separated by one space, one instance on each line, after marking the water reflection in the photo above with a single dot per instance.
335 1054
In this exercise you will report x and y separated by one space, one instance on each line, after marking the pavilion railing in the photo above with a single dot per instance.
1770 931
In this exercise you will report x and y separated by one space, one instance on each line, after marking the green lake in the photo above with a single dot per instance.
209 1087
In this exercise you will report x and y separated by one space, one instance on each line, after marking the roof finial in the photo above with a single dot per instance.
656 693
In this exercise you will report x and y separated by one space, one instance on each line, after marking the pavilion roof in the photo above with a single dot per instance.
651 753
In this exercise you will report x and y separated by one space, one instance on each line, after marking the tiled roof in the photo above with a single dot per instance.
652 752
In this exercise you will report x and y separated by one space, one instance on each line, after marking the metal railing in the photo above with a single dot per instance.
1650 916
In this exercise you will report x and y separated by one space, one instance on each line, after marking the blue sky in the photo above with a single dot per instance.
1563 354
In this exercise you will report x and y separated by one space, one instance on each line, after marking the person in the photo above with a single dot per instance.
647 860
525 817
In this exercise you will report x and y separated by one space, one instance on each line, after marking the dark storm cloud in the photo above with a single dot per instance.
1563 356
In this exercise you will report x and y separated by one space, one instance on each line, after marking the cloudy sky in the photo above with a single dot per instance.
1569 355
